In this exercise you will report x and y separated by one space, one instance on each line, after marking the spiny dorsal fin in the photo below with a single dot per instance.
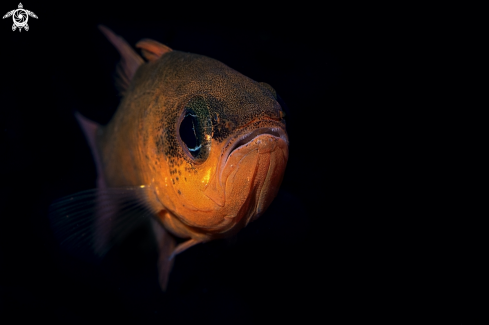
130 60
90 129
152 50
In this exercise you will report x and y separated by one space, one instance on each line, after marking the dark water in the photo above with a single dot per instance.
307 256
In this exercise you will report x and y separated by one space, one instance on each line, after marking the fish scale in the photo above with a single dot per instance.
146 171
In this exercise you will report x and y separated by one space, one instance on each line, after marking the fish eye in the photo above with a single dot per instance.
189 128
195 129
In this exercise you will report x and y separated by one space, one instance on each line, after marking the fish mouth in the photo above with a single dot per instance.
270 147
248 174
246 148
241 140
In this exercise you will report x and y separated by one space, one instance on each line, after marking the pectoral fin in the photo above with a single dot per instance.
88 224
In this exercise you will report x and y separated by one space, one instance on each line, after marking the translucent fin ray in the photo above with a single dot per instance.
87 224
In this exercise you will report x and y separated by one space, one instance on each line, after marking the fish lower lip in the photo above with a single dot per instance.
246 138
233 144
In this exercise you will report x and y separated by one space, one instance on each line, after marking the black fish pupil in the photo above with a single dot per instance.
189 133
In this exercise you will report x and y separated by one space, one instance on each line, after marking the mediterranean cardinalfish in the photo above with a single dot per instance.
195 147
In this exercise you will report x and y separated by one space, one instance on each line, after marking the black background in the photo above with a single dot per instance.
314 253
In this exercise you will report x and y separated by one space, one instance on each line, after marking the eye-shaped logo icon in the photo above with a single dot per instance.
20 17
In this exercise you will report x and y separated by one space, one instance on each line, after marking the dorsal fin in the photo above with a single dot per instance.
151 49
130 60
90 129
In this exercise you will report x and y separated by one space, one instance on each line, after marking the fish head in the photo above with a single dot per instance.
219 146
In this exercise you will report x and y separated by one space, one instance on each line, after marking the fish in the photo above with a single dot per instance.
195 148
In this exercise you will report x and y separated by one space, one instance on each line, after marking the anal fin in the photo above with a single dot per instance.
166 245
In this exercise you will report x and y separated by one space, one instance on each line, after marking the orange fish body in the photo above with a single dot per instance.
206 145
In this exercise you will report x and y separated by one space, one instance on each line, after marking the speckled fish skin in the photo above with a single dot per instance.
146 171
141 145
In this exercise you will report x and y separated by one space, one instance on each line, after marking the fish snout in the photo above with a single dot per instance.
253 172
